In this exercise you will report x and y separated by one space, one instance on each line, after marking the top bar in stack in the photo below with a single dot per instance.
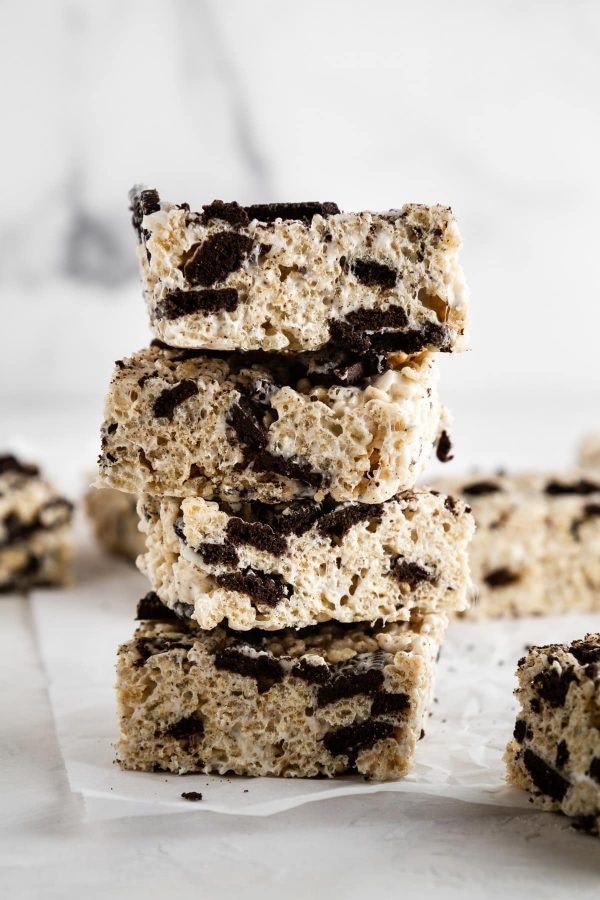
300 276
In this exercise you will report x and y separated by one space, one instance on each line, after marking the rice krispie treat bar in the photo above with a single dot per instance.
269 427
302 563
35 529
114 519
300 276
589 451
555 751
536 549
327 700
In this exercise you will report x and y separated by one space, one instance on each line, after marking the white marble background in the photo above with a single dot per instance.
491 107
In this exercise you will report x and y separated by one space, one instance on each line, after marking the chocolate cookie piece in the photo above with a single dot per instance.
260 586
211 261
375 274
151 607
270 212
183 303
167 402
232 213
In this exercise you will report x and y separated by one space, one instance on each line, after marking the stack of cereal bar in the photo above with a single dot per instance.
274 431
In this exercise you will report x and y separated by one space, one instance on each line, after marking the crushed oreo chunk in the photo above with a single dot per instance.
218 554
385 704
262 587
412 573
582 488
246 661
304 212
337 522
502 577
585 652
258 535
374 274
232 213
179 303
546 779
190 726
350 740
361 675
481 488
166 403
553 686
152 608
520 731
210 262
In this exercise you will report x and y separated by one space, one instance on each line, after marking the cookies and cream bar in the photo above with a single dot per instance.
555 750
270 427
292 565
300 276
114 519
536 549
35 528
327 700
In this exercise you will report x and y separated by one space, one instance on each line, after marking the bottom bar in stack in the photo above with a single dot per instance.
320 701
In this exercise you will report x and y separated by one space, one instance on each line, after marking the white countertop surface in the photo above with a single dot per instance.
386 844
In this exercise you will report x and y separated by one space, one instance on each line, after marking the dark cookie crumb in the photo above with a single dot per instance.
165 404
193 796
215 258
444 448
